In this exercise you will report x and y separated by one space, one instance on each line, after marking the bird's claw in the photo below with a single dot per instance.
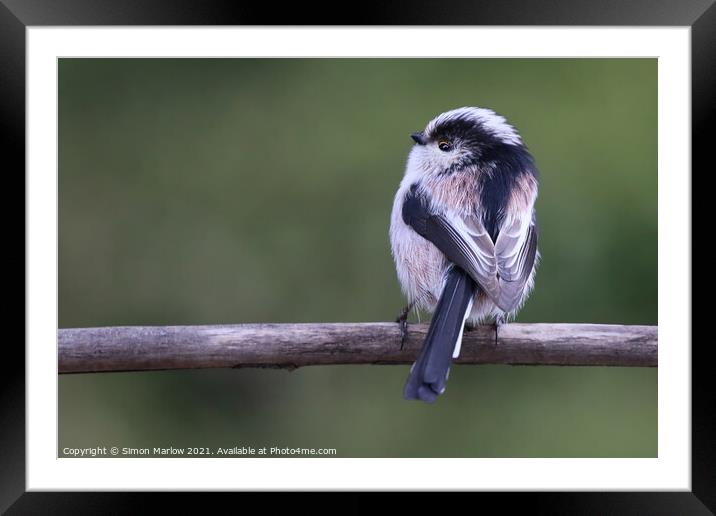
402 320
403 332
499 321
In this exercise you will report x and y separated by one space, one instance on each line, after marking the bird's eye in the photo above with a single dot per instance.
444 145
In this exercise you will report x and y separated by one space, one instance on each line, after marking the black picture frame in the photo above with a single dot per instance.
17 15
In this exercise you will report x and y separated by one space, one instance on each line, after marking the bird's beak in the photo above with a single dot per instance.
419 138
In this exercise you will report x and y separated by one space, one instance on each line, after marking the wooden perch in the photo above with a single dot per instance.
131 348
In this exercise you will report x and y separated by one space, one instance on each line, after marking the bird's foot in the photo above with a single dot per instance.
402 320
499 321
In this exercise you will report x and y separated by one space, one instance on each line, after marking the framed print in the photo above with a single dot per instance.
213 270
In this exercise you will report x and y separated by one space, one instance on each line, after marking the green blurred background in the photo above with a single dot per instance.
259 190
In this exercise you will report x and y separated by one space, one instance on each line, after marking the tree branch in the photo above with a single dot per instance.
136 348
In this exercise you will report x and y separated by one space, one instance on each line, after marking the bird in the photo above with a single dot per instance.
463 234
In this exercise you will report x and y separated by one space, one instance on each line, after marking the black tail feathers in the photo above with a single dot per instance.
429 373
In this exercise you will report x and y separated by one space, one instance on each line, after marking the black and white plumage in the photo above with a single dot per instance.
463 233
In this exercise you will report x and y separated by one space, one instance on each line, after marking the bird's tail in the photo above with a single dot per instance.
429 373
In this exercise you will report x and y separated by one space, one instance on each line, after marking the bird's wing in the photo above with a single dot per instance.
466 243
516 252
501 269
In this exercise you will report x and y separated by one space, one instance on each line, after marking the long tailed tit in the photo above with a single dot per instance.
463 234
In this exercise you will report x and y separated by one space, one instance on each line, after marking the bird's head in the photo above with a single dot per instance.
468 137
